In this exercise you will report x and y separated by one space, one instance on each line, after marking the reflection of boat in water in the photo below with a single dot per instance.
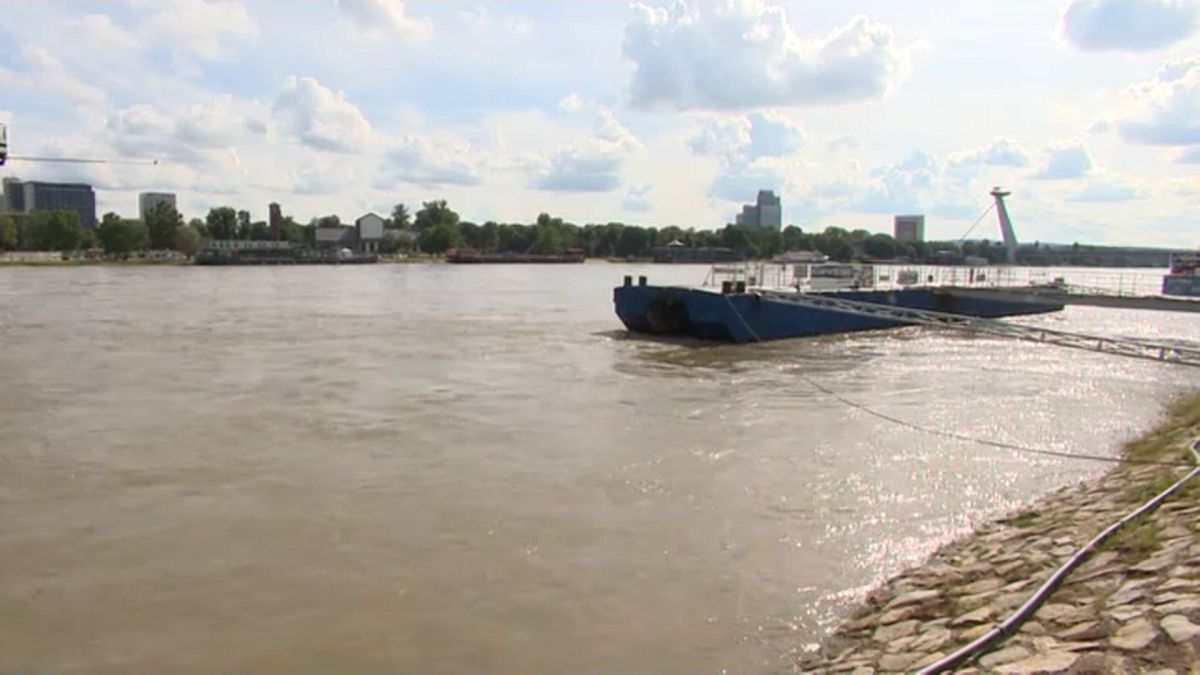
1184 276
737 306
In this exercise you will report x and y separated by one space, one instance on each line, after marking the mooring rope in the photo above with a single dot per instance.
950 434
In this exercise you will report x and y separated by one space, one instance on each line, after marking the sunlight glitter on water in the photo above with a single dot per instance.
439 468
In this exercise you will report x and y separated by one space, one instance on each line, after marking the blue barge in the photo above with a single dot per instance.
732 316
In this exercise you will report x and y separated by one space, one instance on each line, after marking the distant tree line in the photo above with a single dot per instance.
59 230
436 228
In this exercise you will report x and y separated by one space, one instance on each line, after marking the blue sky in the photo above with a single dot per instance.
647 112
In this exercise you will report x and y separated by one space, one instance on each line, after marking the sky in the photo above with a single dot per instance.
651 112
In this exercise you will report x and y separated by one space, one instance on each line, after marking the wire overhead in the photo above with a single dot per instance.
83 160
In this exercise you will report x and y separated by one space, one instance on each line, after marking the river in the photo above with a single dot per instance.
443 468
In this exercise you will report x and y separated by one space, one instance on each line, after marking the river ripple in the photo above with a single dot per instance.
442 469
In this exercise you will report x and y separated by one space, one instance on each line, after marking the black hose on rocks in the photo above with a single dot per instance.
1023 613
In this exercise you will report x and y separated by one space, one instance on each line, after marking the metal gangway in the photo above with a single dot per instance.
1128 347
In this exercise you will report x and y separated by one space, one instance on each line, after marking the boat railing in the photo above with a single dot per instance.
887 276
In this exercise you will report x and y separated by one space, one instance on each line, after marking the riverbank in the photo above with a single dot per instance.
90 262
1132 607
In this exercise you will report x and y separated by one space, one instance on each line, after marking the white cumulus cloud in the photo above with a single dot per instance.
773 134
589 164
745 54
320 117
1189 156
1065 161
592 166
740 181
1166 109
1107 190
1128 25
1000 152
432 161
384 17
759 134
46 73
197 28
903 187
99 31
637 199
201 134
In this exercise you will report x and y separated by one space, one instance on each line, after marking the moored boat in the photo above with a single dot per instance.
1184 276
738 311
472 256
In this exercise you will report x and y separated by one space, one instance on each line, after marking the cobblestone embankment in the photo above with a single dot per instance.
1132 607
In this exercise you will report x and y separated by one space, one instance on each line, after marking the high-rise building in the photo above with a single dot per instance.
908 228
14 196
148 200
749 216
766 212
40 196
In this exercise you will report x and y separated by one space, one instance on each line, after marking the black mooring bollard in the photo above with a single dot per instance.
726 287
741 287
628 281
641 281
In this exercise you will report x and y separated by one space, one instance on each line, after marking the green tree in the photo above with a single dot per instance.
291 231
835 242
33 231
669 234
439 238
634 241
222 222
87 239
767 241
187 241
468 234
62 230
200 227
549 240
794 239
435 213
390 244
244 226
260 231
162 220
327 221
880 246
120 237
489 237
401 219
737 238
8 233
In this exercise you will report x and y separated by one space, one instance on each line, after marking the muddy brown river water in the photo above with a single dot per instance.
437 468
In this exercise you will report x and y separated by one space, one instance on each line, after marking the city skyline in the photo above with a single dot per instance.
651 113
